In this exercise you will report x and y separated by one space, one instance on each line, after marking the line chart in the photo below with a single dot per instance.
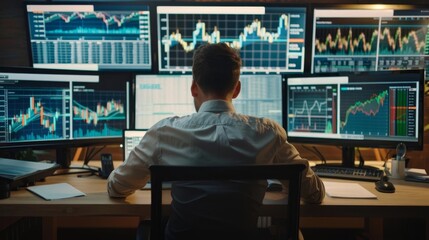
364 110
269 42
403 41
312 109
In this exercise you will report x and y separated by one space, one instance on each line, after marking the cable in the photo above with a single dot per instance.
316 152
83 169
320 155
91 153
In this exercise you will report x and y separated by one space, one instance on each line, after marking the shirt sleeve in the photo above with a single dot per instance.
134 173
312 188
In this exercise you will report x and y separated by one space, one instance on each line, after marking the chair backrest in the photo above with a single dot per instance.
291 172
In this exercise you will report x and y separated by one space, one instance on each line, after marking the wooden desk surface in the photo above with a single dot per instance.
96 202
410 200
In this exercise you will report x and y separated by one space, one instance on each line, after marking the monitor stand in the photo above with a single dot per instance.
63 157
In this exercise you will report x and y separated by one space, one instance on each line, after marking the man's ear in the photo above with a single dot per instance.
237 90
194 89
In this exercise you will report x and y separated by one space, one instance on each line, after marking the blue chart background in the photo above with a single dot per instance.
91 27
19 103
112 39
359 122
110 126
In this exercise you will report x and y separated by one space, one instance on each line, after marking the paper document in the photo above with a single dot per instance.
417 175
56 191
347 190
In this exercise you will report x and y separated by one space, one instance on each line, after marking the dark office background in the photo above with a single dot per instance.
14 51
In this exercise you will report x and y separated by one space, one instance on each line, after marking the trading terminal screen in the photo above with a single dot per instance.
269 39
90 36
348 40
40 107
161 96
383 109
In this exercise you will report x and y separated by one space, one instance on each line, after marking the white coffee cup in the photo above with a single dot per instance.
397 169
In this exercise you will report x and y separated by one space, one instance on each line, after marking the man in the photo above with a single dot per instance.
216 134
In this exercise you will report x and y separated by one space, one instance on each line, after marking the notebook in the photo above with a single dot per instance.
56 191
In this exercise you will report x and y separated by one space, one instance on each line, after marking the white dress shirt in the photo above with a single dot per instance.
216 134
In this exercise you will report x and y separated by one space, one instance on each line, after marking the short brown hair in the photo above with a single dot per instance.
216 68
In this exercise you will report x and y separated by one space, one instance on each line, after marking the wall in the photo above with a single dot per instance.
14 51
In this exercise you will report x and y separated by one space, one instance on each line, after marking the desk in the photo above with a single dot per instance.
411 200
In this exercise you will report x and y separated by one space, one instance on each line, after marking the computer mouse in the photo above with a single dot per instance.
384 186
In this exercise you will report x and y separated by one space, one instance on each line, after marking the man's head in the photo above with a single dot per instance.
216 73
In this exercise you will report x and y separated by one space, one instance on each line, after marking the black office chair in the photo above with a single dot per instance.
161 173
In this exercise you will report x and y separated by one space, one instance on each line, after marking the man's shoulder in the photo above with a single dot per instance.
261 120
169 121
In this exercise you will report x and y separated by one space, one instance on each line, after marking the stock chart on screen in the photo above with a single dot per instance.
40 106
337 107
346 40
91 37
269 39
98 112
35 113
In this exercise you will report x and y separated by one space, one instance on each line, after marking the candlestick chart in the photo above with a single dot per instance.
98 114
346 41
270 42
403 40
35 114
109 39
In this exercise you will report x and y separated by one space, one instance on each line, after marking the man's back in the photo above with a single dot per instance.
216 135
213 135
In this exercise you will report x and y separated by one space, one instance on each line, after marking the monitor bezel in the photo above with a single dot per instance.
351 6
63 143
232 4
149 4
350 143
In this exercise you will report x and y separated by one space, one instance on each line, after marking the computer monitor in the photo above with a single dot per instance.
367 109
348 38
161 96
90 36
270 38
58 108
132 138
100 110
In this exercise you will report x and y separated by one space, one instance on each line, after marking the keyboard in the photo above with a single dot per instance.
353 173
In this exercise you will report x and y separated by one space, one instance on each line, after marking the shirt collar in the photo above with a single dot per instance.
216 106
